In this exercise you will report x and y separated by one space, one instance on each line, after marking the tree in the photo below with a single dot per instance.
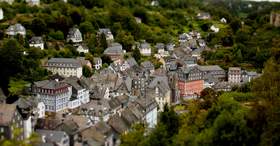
58 35
106 59
11 55
126 39
136 55
235 24
38 26
86 28
134 137
76 17
16 87
103 41
87 71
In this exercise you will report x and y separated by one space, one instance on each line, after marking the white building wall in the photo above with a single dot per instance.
41 110
27 128
67 71
146 52
41 46
151 118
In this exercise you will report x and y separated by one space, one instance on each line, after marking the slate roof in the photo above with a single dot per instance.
131 61
129 117
161 82
160 46
52 136
147 65
50 84
210 68
144 45
114 103
234 69
118 124
63 62
72 32
116 48
74 82
36 40
7 112
104 30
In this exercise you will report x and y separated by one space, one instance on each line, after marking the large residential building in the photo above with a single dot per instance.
65 67
190 89
54 94
10 120
234 75
190 81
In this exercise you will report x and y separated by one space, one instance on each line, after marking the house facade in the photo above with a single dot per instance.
65 67
97 63
54 94
80 94
10 120
145 49
37 42
190 89
234 75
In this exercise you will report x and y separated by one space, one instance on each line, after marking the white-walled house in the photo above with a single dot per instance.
16 29
65 67
145 49
74 36
82 48
80 94
37 42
